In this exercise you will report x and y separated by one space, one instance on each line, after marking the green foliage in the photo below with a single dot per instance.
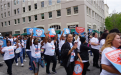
113 21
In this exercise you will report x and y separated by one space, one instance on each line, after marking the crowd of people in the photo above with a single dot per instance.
67 49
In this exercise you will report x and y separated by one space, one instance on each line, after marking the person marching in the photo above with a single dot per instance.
49 53
61 42
35 53
19 53
8 52
113 41
95 49
69 54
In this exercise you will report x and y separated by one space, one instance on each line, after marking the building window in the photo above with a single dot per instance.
29 17
8 22
2 24
18 20
8 4
58 1
75 9
42 16
58 12
5 23
17 32
42 4
23 0
15 11
5 14
17 1
2 15
68 11
87 10
5 5
15 21
23 9
18 10
1 7
56 27
8 13
92 13
35 17
50 2
35 6
14 2
29 7
50 14
23 19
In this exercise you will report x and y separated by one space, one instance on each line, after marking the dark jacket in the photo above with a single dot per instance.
64 54
28 43
56 47
84 51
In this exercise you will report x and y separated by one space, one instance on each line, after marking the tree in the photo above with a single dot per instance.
113 21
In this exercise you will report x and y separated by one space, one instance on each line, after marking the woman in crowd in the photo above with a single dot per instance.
50 53
69 54
102 42
113 41
19 53
35 53
28 52
84 55
8 52
95 49
61 42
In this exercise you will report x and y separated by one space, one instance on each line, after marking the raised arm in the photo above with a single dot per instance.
61 36
31 37
46 37
55 39
1 50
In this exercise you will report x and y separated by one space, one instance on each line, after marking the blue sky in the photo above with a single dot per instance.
113 5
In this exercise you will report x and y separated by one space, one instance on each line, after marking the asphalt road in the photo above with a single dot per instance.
18 70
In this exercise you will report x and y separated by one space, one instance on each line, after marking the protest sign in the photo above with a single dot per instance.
52 31
80 29
78 68
3 42
66 31
115 58
39 32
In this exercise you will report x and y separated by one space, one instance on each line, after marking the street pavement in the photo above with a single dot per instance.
18 70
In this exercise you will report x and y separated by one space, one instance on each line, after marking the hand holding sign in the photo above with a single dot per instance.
66 31
78 68
52 31
80 29
114 58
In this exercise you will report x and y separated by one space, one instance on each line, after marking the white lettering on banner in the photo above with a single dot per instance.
112 53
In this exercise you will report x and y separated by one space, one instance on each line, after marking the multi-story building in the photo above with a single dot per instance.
106 9
17 15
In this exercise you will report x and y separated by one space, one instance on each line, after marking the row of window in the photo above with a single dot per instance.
5 14
17 21
97 4
94 14
8 4
5 23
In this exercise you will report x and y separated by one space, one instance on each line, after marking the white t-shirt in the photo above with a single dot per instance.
49 48
19 49
35 50
61 42
96 41
105 61
102 42
72 53
11 39
9 52
24 43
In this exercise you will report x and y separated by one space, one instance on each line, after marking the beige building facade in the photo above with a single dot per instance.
17 15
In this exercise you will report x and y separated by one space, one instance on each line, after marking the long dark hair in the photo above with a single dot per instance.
8 41
66 37
104 35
